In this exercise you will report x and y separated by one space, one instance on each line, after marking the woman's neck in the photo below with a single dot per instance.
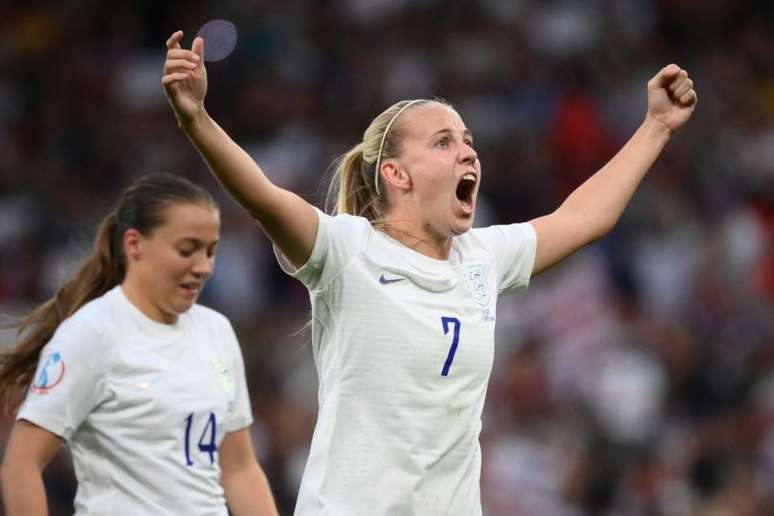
136 295
419 237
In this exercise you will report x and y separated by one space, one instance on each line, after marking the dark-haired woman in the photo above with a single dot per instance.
146 387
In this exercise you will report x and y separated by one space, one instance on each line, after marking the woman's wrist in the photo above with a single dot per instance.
656 128
195 123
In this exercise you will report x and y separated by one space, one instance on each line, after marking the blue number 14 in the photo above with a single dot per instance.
209 447
446 321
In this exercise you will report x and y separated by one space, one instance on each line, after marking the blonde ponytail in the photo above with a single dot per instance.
354 189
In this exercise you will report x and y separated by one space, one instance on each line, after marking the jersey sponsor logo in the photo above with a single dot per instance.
51 372
476 283
386 281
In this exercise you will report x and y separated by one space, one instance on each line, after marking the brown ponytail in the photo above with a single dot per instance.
140 207
102 270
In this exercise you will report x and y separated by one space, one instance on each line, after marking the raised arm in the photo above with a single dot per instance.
288 220
592 210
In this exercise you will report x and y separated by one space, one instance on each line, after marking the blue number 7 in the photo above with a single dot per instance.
455 340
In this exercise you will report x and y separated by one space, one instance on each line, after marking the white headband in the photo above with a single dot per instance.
381 145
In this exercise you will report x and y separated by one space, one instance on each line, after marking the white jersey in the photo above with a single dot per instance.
142 405
403 346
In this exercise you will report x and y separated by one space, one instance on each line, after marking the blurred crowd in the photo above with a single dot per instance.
635 379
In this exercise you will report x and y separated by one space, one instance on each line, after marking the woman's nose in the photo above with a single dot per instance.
203 266
468 155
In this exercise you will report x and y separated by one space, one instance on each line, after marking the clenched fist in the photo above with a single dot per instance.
671 97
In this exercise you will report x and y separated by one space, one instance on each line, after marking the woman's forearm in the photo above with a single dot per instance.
23 491
239 174
248 493
288 220
602 198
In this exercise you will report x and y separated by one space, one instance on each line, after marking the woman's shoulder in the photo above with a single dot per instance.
497 232
350 231
206 319
475 239
205 313
95 314
87 327
494 239
347 221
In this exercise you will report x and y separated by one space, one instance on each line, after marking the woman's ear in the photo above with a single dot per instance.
395 175
132 244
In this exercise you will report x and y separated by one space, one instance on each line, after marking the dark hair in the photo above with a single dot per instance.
142 207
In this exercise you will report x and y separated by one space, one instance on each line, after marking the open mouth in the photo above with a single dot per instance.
465 189
191 288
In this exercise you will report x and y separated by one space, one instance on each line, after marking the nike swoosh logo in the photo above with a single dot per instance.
387 281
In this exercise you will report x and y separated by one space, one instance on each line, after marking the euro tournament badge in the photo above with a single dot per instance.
475 282
50 372
224 378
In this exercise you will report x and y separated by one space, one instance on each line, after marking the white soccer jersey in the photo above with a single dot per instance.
142 405
403 346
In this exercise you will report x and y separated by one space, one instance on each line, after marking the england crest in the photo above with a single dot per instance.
224 378
476 283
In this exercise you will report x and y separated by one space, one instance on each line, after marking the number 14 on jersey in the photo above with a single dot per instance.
206 440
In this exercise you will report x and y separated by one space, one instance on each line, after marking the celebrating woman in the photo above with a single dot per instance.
403 291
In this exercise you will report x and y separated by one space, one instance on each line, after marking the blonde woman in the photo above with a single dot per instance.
403 291
145 386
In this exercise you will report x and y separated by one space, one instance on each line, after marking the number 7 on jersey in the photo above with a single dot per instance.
446 321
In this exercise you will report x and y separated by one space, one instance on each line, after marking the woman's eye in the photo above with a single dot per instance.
185 253
443 142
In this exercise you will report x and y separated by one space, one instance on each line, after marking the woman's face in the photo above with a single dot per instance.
437 152
170 266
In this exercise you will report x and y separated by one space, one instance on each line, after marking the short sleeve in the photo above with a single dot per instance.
513 247
240 414
69 380
339 239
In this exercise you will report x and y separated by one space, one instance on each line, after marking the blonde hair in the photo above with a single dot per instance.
354 188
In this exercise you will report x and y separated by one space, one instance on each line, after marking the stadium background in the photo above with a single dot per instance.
635 379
